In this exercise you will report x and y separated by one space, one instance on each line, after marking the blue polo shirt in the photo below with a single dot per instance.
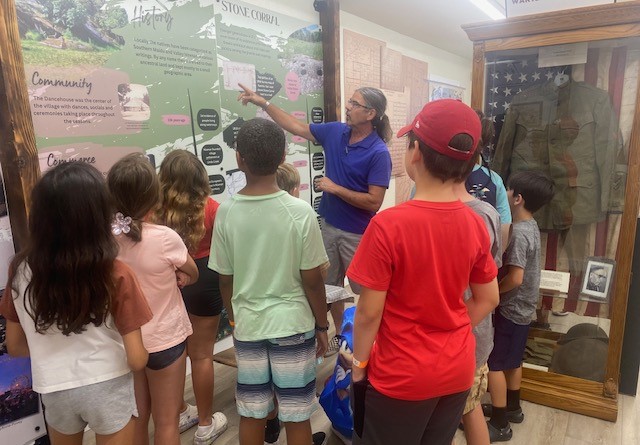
355 167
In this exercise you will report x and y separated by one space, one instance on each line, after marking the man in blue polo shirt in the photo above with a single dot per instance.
358 171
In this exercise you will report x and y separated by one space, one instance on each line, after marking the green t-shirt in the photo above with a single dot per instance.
264 242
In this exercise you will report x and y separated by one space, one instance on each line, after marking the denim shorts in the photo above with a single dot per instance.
509 342
161 359
285 367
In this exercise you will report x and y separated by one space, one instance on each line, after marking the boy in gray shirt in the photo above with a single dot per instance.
527 192
475 427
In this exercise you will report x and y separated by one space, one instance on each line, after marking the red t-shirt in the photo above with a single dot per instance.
210 209
424 254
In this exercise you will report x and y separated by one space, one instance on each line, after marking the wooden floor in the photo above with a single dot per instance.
542 426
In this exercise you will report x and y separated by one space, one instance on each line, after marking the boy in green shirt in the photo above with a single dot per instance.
268 251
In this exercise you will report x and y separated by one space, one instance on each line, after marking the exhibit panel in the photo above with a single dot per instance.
565 103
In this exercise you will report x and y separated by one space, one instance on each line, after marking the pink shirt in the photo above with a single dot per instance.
154 260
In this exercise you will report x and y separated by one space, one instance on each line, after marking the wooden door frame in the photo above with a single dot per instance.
18 153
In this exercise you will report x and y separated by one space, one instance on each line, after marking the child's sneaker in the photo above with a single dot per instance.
272 431
319 438
334 346
205 435
188 418
499 434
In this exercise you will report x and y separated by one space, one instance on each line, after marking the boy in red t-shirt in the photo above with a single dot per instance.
414 262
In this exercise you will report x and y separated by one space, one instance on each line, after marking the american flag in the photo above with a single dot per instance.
508 76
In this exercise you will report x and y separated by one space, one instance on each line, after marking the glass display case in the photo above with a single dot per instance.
562 91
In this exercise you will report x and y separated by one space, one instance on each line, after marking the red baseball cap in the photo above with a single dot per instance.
440 120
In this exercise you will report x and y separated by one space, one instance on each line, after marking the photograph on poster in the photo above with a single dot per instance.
439 90
597 279
134 102
237 72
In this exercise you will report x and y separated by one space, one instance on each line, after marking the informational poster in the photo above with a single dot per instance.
279 57
110 77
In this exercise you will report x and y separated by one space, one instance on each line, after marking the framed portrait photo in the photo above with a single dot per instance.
597 279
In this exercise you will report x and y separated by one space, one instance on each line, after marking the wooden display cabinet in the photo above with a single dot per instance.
514 44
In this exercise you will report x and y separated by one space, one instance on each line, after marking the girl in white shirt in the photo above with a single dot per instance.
76 310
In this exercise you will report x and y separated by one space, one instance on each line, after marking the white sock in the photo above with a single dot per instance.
206 429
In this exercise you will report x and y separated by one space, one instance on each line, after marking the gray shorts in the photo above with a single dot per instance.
106 407
340 246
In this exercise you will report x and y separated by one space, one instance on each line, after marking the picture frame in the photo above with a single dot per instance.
597 279
440 90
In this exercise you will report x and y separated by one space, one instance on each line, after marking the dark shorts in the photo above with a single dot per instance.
203 298
162 359
509 341
382 420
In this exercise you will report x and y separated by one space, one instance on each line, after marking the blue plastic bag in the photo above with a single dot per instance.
334 398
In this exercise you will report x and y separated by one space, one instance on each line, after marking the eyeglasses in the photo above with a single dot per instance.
353 104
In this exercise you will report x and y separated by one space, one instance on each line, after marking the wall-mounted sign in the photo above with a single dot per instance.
524 7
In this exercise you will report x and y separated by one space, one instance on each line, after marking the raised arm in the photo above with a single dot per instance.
280 117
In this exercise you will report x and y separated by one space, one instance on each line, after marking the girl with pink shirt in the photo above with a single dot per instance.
156 254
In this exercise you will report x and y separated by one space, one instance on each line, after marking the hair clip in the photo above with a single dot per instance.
121 224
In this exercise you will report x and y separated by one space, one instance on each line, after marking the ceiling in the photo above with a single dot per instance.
436 22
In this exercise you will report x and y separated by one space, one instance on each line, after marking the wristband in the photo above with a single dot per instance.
322 329
266 104
232 323
360 364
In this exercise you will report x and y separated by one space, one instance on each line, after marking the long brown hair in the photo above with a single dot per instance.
70 252
184 190
134 189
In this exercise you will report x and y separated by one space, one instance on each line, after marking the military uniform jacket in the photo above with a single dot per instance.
569 132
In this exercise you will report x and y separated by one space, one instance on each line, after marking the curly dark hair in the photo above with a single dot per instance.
70 252
261 143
